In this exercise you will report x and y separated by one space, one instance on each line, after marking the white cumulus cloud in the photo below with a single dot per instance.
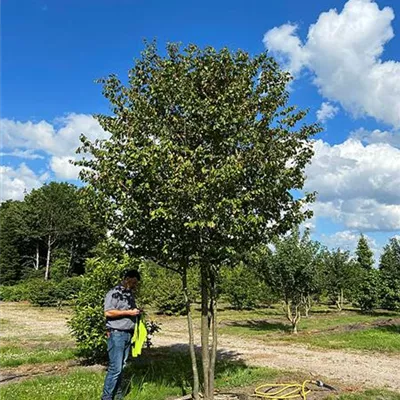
348 240
343 50
59 140
26 154
326 112
63 168
14 182
377 136
358 185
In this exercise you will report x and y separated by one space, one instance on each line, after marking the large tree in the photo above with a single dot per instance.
367 289
365 256
203 157
55 219
389 267
13 243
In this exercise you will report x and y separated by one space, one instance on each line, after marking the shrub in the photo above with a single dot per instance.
42 293
88 322
242 288
68 289
162 288
14 293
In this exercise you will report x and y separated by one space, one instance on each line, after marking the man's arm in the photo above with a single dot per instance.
121 313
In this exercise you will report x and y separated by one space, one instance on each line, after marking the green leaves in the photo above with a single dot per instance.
197 163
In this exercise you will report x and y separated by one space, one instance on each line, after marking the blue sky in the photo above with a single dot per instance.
344 56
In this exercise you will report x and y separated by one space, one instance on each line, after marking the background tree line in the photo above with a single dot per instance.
50 236
45 241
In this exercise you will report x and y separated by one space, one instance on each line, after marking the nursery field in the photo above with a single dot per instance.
358 354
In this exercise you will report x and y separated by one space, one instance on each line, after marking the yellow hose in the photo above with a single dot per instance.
283 391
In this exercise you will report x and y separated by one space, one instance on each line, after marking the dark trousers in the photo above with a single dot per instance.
118 347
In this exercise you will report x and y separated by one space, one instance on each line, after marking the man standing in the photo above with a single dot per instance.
120 311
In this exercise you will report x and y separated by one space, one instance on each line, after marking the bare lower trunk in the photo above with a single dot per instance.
293 314
341 299
47 273
71 258
307 305
195 393
214 344
37 257
205 330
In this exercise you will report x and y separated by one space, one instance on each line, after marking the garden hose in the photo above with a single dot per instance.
287 390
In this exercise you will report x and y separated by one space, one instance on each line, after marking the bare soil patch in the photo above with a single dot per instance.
23 320
28 371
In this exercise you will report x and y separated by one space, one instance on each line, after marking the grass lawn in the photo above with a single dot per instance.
367 395
163 374
15 354
384 339
34 335
160 375
349 329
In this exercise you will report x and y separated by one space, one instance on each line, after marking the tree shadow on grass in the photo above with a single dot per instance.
262 325
171 366
374 313
390 328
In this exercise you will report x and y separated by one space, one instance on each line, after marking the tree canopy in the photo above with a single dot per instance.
202 162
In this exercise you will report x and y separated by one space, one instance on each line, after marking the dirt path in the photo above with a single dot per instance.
348 367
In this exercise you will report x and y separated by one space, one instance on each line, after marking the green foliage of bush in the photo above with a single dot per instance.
88 322
68 289
43 293
59 268
162 289
18 292
242 288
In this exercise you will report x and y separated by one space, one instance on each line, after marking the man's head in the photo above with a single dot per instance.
131 279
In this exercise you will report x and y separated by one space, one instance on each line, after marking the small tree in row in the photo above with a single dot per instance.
291 268
340 275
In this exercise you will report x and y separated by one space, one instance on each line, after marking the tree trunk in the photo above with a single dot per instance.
47 273
293 314
71 253
294 327
213 356
205 331
341 299
195 393
307 305
297 318
37 257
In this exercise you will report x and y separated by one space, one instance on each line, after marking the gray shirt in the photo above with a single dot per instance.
120 298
